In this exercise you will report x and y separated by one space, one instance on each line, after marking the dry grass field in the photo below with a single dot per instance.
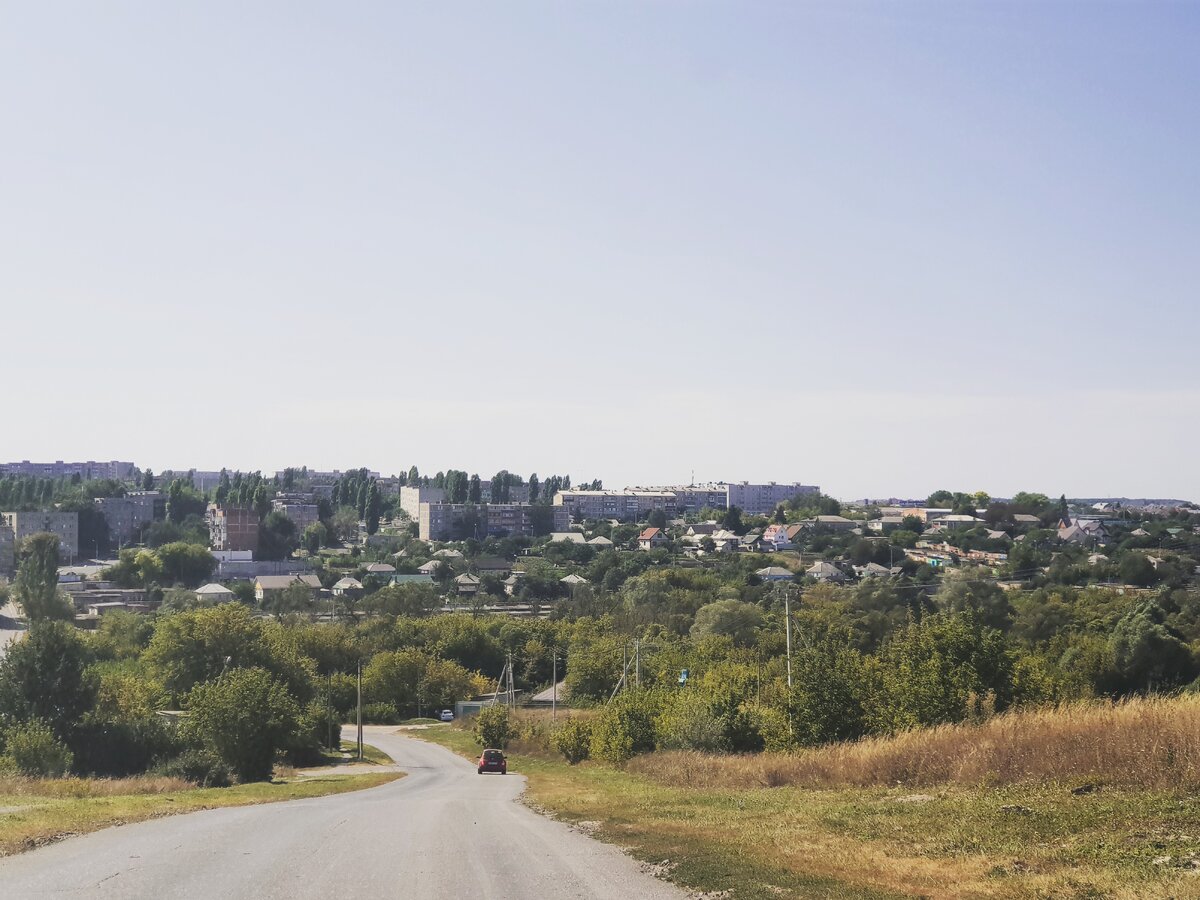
1087 801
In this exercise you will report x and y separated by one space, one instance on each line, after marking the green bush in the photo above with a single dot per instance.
245 717
624 728
493 727
117 749
34 751
380 713
573 740
200 767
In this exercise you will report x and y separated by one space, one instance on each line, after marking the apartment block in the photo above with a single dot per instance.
635 504
451 521
411 499
302 514
632 504
121 471
128 515
63 524
761 499
232 528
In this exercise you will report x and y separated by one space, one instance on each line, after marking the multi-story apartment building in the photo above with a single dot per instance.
128 515
63 524
121 471
635 504
448 521
761 499
411 499
232 528
302 514
632 504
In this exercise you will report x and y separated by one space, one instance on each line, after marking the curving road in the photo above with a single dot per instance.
441 832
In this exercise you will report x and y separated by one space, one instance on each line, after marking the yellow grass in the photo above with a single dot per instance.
1149 743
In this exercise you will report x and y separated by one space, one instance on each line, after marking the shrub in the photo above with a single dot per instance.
624 728
493 727
573 740
118 749
381 713
200 767
35 751
245 717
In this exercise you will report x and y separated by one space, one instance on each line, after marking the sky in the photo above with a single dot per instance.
880 247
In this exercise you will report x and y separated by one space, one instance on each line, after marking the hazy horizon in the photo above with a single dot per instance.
884 249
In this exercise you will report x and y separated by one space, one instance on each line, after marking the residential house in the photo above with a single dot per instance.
775 537
875 570
347 587
491 565
572 580
408 578
725 541
751 542
448 553
885 523
775 573
832 523
825 572
431 567
381 570
651 538
215 593
570 537
600 542
467 584
267 586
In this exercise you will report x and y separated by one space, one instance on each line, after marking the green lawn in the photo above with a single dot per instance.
1030 841
37 812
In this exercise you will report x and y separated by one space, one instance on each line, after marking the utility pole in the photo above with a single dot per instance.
637 662
787 618
329 710
360 711
554 683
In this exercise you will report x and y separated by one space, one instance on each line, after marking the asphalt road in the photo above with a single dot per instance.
441 832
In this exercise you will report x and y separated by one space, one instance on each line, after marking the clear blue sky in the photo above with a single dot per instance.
881 247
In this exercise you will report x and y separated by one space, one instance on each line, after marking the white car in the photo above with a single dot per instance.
447 715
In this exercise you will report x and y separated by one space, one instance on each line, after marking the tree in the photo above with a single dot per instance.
533 488
1147 654
657 519
730 618
35 588
186 564
198 645
373 507
475 492
148 480
46 676
276 536
986 600
732 520
245 716
315 537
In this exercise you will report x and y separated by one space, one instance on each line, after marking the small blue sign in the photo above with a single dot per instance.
683 676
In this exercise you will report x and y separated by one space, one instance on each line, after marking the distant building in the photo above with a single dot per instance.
301 514
411 499
451 521
120 471
63 524
128 515
8 549
635 504
267 586
651 538
232 528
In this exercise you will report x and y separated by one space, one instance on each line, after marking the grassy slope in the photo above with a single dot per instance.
956 841
42 812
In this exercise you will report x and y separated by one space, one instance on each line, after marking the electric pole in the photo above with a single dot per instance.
360 733
787 618
554 683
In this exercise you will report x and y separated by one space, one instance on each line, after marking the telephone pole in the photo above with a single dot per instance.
360 733
637 662
554 684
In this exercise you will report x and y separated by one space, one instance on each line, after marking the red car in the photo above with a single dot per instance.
493 761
